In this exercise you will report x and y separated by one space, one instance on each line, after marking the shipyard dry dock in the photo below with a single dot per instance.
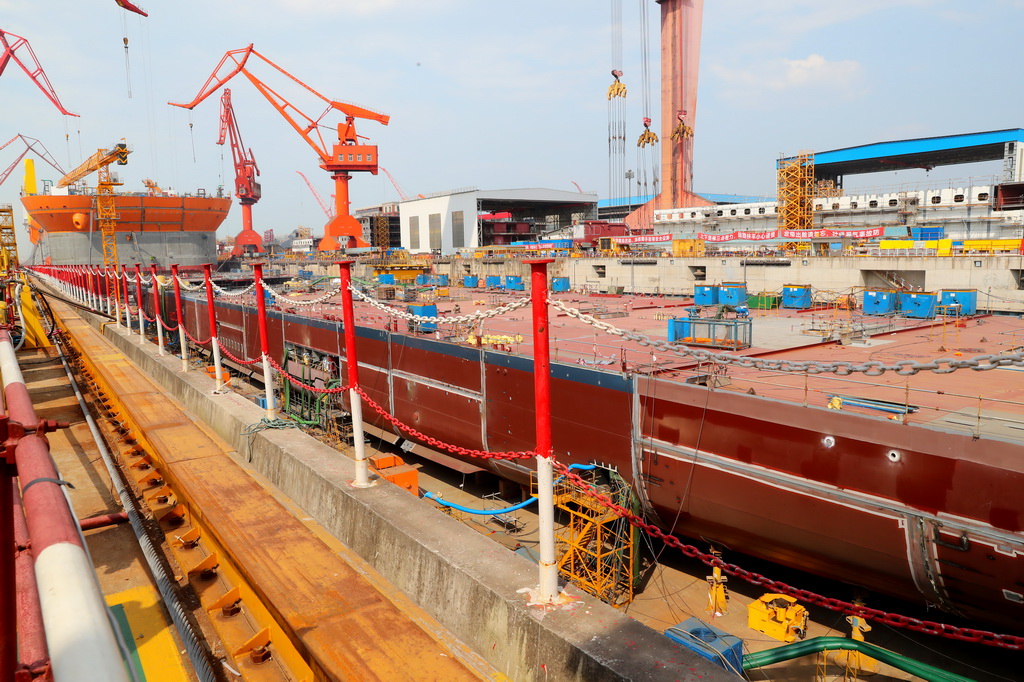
471 588
281 597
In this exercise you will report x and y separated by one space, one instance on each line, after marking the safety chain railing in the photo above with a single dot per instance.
165 325
300 302
235 358
434 442
188 286
871 368
241 292
295 381
454 319
848 608
194 339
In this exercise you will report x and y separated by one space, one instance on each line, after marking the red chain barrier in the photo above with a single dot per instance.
235 359
433 442
849 608
165 326
297 382
195 340
147 317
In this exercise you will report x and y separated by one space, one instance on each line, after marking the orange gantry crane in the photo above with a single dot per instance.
106 208
247 189
10 45
341 159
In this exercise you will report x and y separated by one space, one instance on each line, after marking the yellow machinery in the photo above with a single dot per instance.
854 663
8 244
778 616
688 247
718 593
599 547
106 208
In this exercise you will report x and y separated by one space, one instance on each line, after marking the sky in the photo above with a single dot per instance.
500 95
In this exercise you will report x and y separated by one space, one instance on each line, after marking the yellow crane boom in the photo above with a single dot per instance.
101 159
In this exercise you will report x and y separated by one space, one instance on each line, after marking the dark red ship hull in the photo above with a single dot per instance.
903 510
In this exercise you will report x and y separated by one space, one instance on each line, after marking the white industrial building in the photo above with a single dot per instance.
445 222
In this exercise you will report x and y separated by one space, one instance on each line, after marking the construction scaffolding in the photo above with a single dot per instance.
796 186
599 548
8 242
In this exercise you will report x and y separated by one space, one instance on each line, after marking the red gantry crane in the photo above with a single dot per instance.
341 159
10 44
246 188
31 145
328 211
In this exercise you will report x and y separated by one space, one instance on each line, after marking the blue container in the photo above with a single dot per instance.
305 274
705 294
438 280
709 642
559 284
428 310
471 281
733 293
386 279
678 328
421 280
796 296
493 282
879 302
514 283
919 305
268 298
967 299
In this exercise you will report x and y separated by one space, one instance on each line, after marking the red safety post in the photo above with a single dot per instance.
139 303
542 410
127 308
214 342
156 309
362 479
181 323
261 308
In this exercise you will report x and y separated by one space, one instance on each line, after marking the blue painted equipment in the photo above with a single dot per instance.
494 282
796 296
879 302
705 294
966 298
514 283
707 641
559 284
918 305
733 293
426 310
471 281
386 278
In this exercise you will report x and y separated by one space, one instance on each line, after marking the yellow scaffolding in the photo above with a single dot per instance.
796 192
8 242
598 547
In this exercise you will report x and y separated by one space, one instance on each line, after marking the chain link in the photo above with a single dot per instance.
872 368
195 340
188 286
225 292
298 382
237 359
435 443
456 319
849 608
292 301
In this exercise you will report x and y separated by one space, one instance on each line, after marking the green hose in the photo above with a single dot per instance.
819 644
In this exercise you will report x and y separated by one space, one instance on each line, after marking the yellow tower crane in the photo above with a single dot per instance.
106 208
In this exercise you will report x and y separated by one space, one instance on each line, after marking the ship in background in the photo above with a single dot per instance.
153 227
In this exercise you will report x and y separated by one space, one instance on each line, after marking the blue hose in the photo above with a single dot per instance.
491 512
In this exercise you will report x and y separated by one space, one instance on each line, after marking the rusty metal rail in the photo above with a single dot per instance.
283 603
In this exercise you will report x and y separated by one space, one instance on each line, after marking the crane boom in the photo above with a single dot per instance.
340 159
35 71
323 206
101 159
31 145
401 192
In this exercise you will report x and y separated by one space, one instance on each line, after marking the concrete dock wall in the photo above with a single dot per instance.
469 584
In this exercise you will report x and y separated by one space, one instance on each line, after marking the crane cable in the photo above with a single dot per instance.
127 59
647 155
616 110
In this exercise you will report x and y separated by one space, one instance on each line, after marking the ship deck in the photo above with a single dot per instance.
982 403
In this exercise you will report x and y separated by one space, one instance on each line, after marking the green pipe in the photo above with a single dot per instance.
819 644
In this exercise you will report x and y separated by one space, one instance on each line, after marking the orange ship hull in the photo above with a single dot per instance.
136 213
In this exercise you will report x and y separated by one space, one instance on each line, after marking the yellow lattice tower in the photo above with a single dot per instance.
381 232
8 242
597 544
106 215
796 192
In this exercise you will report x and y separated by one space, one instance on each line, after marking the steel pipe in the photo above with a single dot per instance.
355 401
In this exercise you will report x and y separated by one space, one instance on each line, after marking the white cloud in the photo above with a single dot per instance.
812 74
